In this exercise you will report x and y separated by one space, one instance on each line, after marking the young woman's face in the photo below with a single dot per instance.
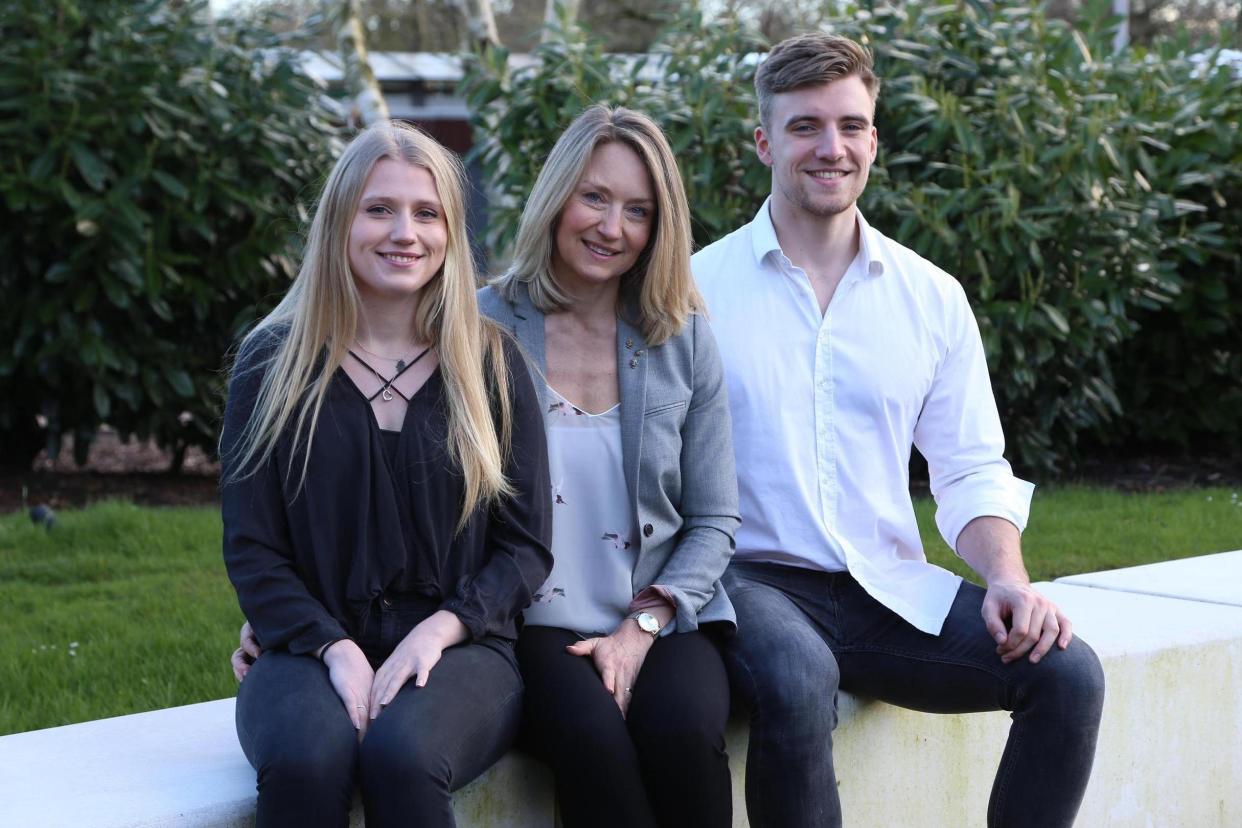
399 235
608 219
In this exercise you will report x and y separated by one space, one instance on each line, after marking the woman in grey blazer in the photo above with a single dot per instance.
626 696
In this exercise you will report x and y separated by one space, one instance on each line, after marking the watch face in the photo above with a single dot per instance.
647 623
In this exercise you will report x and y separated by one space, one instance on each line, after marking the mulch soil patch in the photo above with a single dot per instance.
133 471
138 472
1158 473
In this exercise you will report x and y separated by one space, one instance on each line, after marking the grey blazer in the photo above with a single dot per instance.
677 448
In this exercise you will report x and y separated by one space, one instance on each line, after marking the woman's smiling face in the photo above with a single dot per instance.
607 221
399 236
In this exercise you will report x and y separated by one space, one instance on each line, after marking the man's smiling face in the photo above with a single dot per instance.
820 145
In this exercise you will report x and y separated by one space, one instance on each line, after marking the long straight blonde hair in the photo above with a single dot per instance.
316 320
659 286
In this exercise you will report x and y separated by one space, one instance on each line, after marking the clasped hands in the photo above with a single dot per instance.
365 692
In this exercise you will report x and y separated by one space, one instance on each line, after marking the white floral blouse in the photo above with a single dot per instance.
590 588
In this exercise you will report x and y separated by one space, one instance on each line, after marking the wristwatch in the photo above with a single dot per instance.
647 622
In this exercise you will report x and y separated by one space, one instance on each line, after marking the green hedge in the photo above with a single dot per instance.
697 81
1015 153
155 171
1183 371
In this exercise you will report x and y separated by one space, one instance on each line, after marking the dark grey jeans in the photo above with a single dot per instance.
427 743
802 635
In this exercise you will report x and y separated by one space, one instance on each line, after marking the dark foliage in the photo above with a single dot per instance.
1080 197
155 168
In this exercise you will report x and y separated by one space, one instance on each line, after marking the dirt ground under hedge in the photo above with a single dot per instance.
114 470
139 472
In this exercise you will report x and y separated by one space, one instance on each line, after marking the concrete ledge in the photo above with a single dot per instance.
1216 579
183 767
1170 750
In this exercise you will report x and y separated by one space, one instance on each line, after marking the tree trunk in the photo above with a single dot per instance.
480 21
1121 39
367 101
424 25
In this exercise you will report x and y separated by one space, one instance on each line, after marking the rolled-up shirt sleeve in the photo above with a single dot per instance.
258 552
519 531
959 433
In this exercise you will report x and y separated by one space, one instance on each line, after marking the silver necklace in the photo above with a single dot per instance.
399 361
388 388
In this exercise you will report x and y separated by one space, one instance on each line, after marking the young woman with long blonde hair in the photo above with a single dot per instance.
386 502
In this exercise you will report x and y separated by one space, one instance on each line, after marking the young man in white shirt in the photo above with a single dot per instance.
842 349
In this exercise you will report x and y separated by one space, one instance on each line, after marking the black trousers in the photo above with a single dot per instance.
665 764
428 742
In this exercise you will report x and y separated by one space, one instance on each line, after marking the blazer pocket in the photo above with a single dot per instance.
661 409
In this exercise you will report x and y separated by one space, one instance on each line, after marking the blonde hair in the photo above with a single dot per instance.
811 59
659 287
317 319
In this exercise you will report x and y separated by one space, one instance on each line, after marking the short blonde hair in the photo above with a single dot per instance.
659 288
811 59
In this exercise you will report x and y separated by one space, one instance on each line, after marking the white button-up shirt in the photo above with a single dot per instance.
826 407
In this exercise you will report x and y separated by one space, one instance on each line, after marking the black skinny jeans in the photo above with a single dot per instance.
428 742
664 764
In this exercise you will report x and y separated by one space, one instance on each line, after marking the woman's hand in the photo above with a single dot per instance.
351 677
414 657
247 653
618 658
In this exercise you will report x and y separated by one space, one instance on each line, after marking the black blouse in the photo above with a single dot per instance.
307 562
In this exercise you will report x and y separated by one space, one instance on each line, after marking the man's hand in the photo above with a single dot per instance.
618 658
247 653
1018 618
351 676
415 656
1021 620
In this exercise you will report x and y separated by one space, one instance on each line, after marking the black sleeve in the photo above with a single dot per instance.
258 552
518 557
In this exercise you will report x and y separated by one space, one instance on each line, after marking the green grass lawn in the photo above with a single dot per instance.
118 609
122 609
1087 529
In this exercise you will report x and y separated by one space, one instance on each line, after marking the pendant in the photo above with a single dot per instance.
387 394
400 365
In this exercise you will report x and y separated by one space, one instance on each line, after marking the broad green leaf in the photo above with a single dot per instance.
103 404
180 381
170 185
1056 318
92 168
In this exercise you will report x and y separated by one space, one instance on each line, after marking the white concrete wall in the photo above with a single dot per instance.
1170 751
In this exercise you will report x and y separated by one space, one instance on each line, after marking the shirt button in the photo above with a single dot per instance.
648 530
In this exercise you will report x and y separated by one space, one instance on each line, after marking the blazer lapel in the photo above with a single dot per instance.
632 384
529 330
